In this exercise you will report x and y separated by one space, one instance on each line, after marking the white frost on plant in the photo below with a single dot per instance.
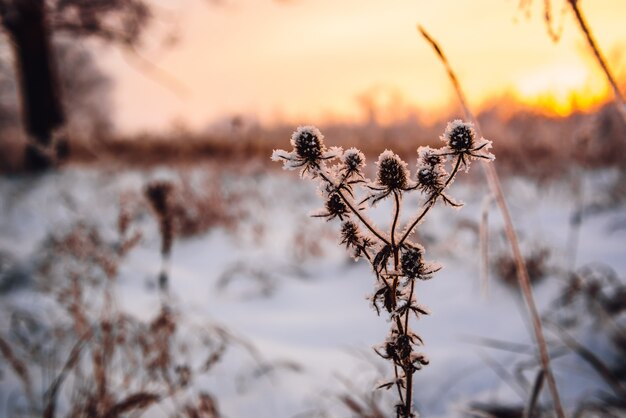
307 129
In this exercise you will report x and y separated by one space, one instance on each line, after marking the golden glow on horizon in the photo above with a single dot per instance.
561 91
310 61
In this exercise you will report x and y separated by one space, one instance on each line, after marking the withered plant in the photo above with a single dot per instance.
183 211
397 262
159 195
86 357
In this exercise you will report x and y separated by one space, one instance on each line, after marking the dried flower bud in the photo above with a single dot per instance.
350 234
411 263
392 171
459 135
428 156
428 179
308 144
158 193
403 346
335 206
353 161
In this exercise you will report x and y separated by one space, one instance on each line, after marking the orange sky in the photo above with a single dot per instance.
304 61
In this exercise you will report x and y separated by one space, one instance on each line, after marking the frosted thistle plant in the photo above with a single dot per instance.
397 262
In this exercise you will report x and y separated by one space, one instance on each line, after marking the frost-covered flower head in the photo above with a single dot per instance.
352 237
431 173
309 151
392 177
392 172
459 135
308 144
460 138
350 234
335 207
428 156
413 265
353 162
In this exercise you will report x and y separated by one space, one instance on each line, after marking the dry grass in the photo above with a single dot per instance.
522 272
111 363
524 142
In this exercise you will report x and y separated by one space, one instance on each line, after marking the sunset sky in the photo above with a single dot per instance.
302 61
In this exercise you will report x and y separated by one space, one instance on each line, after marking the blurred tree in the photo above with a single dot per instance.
30 25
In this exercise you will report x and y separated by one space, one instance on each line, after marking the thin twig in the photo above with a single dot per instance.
354 210
430 203
407 372
74 356
522 273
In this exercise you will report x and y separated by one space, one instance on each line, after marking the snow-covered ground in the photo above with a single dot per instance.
307 309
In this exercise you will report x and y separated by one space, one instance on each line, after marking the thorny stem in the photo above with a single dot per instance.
395 370
522 273
406 400
430 203
396 214
406 318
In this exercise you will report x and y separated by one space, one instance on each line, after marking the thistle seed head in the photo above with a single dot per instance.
428 156
427 178
353 160
335 206
350 234
308 144
392 172
459 135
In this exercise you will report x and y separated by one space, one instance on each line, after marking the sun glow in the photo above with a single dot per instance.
356 60
560 91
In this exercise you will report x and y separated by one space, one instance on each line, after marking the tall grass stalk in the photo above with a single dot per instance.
584 27
522 273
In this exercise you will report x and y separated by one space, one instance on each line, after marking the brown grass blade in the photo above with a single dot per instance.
522 273
72 360
483 233
17 365
139 400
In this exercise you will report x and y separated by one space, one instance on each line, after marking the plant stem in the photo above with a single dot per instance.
354 210
396 214
409 371
430 202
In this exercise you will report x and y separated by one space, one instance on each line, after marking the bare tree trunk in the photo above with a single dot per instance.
42 111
